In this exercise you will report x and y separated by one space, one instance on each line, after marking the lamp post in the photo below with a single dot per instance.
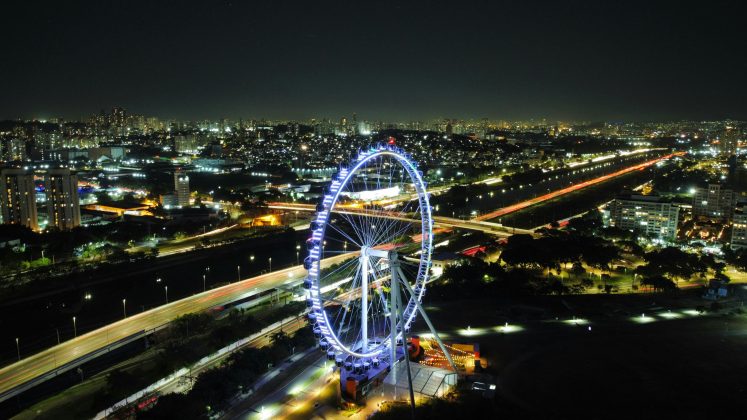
18 349
203 283
166 291
238 272
124 307
270 261
75 328
298 251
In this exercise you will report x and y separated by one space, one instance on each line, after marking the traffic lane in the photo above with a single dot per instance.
48 360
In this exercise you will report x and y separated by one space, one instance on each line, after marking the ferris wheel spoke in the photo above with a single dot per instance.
345 235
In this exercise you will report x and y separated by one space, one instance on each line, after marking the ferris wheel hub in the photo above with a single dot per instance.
367 251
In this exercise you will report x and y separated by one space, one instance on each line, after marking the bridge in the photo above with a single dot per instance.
450 222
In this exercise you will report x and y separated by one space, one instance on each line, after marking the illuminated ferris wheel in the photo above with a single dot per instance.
374 211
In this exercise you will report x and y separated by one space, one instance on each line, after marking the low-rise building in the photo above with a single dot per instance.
647 214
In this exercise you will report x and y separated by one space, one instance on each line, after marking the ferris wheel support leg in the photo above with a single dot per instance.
427 321
397 279
364 301
393 326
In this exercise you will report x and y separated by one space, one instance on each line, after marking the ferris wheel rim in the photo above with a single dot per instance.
321 221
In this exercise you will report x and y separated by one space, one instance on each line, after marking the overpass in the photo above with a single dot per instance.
35 369
450 222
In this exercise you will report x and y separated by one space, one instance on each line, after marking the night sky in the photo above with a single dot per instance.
391 61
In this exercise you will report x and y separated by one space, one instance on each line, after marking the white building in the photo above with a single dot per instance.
739 228
181 188
715 202
645 214
63 206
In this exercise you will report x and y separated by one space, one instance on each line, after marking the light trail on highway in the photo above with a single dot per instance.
575 187
49 360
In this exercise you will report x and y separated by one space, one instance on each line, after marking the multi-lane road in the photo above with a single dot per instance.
575 187
14 377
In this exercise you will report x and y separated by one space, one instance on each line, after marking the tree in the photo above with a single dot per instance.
578 269
659 283
600 256
671 262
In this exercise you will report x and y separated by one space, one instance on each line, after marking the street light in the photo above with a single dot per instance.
270 261
238 272
166 290
298 250
124 307
75 328
18 349
203 282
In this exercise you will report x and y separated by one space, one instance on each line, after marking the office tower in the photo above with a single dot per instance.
181 188
739 228
18 198
714 202
63 208
646 214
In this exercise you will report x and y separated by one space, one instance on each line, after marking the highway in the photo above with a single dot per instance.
480 223
47 361
575 187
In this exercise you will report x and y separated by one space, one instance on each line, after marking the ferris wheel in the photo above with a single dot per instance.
375 224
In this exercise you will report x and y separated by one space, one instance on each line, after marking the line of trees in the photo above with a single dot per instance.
214 389
191 337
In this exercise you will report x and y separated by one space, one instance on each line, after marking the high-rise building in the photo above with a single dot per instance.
739 228
714 202
646 214
181 188
13 149
728 141
186 143
18 198
63 208
118 117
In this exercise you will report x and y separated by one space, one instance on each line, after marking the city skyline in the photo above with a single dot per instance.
359 210
500 61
